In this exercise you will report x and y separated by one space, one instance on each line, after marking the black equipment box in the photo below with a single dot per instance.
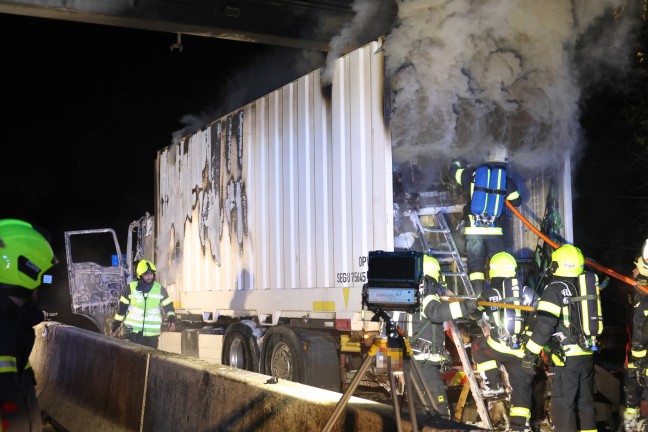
393 280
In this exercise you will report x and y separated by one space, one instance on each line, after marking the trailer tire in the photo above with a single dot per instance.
301 355
240 347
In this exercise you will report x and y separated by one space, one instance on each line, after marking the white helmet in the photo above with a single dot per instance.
642 261
497 153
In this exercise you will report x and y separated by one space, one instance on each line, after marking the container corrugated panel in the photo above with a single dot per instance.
275 207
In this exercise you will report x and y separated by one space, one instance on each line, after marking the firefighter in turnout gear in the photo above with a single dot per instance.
635 377
428 340
504 343
488 186
567 319
25 256
141 306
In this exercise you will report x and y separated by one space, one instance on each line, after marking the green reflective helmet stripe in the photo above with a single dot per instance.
25 254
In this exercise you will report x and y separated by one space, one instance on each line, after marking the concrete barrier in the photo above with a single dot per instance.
88 381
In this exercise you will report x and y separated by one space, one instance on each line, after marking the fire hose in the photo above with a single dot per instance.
555 245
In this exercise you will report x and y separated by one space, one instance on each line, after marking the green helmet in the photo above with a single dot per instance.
25 254
567 261
144 266
502 264
431 267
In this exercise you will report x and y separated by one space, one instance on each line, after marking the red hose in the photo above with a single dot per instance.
555 245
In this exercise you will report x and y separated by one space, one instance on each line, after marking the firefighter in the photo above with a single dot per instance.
634 377
25 255
559 324
140 307
428 340
504 343
483 231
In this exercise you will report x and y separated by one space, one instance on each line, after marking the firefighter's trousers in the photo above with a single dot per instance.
572 395
432 375
488 357
479 248
632 389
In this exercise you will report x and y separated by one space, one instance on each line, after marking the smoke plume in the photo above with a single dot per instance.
470 73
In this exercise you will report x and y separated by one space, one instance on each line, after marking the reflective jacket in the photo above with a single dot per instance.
428 335
140 307
557 322
465 177
639 330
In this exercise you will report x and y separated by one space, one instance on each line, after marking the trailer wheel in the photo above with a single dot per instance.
281 355
240 347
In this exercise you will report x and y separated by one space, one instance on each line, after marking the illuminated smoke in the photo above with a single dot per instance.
466 74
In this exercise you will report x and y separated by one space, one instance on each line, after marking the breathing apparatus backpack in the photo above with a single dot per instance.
585 315
509 324
591 315
488 194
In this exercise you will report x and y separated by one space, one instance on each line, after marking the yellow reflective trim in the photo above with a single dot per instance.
533 347
638 354
119 317
166 301
520 412
632 365
546 306
646 312
505 349
124 300
458 175
426 300
631 411
574 350
326 306
476 276
587 430
486 366
483 230
455 310
8 364
513 195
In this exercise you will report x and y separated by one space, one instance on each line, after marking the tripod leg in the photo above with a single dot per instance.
397 414
408 391
347 394
426 394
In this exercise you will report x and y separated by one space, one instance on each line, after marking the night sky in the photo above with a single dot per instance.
86 107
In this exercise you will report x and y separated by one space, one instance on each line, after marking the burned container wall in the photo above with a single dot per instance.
275 207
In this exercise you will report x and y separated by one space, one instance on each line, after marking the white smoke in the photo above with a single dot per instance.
469 73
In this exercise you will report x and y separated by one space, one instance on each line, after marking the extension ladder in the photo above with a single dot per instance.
450 253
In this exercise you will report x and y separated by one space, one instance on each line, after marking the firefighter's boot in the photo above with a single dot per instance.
630 420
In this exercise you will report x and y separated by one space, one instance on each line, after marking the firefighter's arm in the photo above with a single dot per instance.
122 308
169 310
639 329
545 323
513 193
438 312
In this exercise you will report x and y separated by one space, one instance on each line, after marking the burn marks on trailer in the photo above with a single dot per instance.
235 205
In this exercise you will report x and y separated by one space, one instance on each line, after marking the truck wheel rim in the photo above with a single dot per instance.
281 361
237 357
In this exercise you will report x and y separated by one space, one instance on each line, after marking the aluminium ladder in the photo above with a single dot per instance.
451 253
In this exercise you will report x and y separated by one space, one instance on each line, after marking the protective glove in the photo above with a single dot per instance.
529 362
471 305
115 325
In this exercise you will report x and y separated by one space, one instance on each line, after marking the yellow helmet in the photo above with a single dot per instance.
144 266
431 267
567 261
502 264
25 254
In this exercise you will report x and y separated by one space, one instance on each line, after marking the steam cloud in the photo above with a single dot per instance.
470 73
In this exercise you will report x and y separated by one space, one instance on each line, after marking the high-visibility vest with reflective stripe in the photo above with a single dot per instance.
143 314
